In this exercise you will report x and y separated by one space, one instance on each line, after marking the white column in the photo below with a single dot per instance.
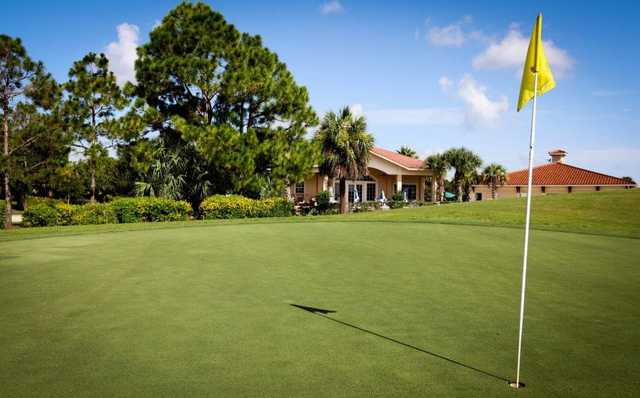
325 181
398 182
331 190
420 196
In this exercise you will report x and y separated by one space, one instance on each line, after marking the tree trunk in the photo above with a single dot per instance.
441 190
344 196
22 201
93 183
93 161
433 190
459 189
7 170
493 191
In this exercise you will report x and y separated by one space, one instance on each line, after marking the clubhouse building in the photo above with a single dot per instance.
388 172
555 177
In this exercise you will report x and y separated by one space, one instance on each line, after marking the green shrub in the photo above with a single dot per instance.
40 215
236 206
97 213
127 210
367 206
123 210
161 209
398 196
130 210
397 201
66 213
40 200
323 202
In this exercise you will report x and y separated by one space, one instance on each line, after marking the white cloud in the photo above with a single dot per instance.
509 53
446 36
480 110
452 35
331 7
445 83
357 109
122 54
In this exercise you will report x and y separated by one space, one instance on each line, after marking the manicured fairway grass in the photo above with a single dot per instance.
204 311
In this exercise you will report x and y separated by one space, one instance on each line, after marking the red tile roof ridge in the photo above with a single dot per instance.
612 179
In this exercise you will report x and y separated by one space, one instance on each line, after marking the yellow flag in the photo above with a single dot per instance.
536 62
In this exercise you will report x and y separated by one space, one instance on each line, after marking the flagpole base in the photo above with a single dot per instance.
515 385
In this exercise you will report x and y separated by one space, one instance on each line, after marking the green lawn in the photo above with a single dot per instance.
614 213
422 309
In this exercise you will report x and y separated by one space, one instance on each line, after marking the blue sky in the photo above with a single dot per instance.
426 74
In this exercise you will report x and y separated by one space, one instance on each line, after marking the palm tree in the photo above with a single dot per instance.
439 166
465 162
407 151
344 144
494 175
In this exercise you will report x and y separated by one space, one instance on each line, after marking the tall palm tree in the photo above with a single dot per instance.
439 166
465 162
407 151
494 175
344 145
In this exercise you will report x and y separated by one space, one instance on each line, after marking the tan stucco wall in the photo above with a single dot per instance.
381 170
508 191
313 184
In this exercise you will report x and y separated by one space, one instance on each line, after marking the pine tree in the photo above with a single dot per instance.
25 91
94 100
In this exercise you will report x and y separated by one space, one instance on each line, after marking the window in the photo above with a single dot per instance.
569 189
300 188
351 190
411 190
543 189
371 191
336 191
517 189
478 195
597 188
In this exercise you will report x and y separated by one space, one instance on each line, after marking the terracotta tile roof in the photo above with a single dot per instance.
404 161
562 174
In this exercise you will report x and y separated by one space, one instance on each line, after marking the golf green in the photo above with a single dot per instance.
420 310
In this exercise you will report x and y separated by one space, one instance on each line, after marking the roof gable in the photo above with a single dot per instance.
406 162
562 174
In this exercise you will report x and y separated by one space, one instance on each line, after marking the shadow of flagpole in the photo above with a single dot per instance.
323 314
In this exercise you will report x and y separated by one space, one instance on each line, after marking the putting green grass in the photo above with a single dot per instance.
205 311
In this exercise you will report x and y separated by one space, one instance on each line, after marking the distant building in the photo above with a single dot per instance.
555 177
388 172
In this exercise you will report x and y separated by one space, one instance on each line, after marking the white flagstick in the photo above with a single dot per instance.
528 218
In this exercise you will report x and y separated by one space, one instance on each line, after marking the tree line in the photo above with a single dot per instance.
212 111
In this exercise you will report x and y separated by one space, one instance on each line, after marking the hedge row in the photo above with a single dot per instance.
130 210
124 210
235 206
